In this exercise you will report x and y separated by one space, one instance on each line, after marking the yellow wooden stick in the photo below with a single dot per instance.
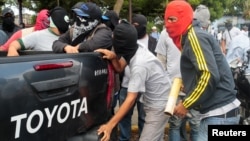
173 95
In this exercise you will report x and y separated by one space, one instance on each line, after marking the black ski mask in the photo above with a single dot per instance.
125 40
140 23
228 25
141 31
109 24
8 23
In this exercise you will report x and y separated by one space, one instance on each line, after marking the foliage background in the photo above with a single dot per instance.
153 9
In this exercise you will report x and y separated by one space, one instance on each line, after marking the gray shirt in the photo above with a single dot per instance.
148 76
3 37
41 40
166 47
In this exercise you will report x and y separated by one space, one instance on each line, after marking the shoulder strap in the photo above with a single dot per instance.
89 35
229 34
98 27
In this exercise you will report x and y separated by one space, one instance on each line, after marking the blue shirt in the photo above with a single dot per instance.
155 35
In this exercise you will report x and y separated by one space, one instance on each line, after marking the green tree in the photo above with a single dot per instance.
150 8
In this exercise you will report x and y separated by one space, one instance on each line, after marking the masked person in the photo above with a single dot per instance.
42 40
110 19
8 24
42 22
86 33
147 76
227 36
144 40
206 76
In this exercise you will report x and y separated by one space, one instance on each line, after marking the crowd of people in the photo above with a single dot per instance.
147 63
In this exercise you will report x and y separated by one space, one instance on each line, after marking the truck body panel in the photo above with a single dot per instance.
53 97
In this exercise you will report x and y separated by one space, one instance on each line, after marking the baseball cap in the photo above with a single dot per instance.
60 18
112 16
6 11
88 9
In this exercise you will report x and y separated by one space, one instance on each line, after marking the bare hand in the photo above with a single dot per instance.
106 130
12 53
107 54
71 49
180 110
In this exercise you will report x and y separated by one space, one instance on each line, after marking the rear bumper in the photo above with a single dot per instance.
91 135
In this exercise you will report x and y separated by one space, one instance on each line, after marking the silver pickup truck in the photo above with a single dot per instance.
54 97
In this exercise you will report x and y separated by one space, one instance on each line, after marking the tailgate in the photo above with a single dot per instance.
52 97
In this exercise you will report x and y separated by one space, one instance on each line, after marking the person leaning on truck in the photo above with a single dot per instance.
87 31
147 76
42 22
42 40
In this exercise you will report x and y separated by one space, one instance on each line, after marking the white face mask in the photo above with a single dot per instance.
83 27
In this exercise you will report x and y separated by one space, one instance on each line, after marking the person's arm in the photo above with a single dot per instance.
223 43
206 67
14 37
102 38
106 129
62 42
223 46
13 48
119 64
207 74
163 60
161 48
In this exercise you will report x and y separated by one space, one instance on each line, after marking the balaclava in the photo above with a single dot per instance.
86 17
228 25
184 14
59 18
42 20
202 14
8 20
125 40
140 23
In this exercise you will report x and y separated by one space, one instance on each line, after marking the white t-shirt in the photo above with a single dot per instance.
143 43
148 76
166 47
228 35
41 40
239 45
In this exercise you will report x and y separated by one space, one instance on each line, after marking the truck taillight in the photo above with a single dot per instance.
111 84
41 67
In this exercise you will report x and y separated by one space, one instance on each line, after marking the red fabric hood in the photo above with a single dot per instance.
184 14
42 20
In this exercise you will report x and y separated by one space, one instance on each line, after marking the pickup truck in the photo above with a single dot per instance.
54 97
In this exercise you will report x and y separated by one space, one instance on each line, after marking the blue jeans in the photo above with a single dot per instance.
114 102
125 124
177 127
203 130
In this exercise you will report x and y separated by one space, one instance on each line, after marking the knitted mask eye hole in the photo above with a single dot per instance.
172 19
135 24
8 15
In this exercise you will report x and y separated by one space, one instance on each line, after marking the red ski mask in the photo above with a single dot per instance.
178 16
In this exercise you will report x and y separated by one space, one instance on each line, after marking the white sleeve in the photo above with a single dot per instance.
30 40
137 80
